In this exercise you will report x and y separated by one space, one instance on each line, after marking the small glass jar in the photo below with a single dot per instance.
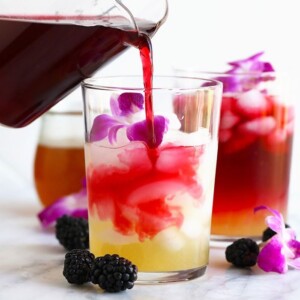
59 160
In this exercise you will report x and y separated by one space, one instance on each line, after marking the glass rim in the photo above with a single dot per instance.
96 83
196 72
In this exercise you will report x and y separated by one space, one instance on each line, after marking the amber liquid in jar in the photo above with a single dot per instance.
58 171
59 168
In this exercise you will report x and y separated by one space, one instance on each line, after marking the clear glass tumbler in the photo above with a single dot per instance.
150 181
255 151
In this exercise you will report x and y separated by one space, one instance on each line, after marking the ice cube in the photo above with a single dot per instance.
110 236
238 142
252 104
228 120
225 135
170 238
259 126
191 227
277 141
228 102
156 190
180 138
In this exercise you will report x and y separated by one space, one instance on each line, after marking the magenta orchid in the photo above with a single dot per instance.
125 108
74 205
282 250
245 73
250 64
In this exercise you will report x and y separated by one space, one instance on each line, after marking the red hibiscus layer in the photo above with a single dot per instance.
137 194
251 116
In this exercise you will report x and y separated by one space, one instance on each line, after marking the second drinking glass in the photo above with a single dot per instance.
255 147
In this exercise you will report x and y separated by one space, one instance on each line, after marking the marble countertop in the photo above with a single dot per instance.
31 263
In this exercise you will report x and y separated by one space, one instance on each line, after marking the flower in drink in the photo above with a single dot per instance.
127 112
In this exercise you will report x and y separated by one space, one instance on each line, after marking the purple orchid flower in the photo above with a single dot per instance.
74 205
245 73
250 64
282 250
124 109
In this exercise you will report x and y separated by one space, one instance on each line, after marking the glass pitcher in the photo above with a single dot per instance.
48 47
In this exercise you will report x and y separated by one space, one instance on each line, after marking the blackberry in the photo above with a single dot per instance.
72 233
268 233
78 265
242 253
114 273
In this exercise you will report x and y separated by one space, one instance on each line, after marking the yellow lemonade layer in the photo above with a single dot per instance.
239 223
170 250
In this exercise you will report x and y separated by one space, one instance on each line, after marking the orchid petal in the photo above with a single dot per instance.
268 67
114 105
251 64
102 124
73 205
273 211
230 83
128 101
243 69
275 222
294 245
140 132
126 104
295 263
253 57
271 257
282 250
291 234
112 133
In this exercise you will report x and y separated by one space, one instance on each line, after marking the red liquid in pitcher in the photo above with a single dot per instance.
41 63
253 165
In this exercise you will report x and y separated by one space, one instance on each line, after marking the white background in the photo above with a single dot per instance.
198 33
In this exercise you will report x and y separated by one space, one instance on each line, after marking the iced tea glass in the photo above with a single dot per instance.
59 168
254 154
152 202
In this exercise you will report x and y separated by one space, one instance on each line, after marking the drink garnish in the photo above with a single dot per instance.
72 232
72 205
242 253
127 112
112 273
279 252
282 249
250 64
268 233
78 266
248 73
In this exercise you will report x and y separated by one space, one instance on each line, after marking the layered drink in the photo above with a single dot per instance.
150 199
255 148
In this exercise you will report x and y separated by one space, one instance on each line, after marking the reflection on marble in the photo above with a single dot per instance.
31 262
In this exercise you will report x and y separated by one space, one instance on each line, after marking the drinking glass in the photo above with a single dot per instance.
150 180
59 168
255 150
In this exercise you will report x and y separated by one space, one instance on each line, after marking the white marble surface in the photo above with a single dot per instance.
31 262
